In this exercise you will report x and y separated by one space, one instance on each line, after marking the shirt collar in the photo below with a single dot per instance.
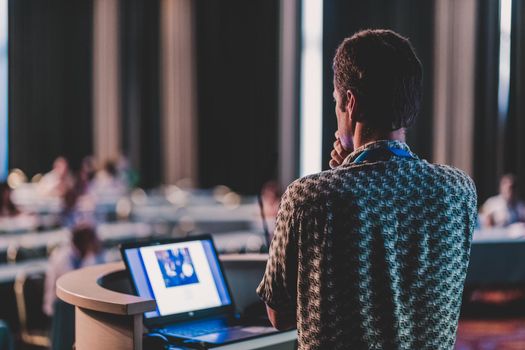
375 145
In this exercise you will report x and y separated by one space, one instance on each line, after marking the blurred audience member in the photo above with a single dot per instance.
11 218
108 181
128 175
505 208
86 174
7 207
84 250
58 181
271 198
70 213
77 204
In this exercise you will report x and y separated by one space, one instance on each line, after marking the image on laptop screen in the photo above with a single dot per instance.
182 277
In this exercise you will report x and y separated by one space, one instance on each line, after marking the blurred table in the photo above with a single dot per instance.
239 242
497 257
110 234
219 213
8 272
203 218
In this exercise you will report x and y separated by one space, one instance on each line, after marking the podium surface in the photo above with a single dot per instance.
108 316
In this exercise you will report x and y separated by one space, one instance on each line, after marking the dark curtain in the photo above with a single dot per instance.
140 90
50 51
499 141
411 18
488 143
515 133
237 92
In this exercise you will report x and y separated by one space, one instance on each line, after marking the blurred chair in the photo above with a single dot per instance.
34 324
51 246
17 253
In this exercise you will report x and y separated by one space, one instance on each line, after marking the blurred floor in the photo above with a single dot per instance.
492 318
495 334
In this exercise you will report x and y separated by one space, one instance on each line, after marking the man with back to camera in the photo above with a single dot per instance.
372 254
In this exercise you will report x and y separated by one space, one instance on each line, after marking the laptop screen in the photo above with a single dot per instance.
182 277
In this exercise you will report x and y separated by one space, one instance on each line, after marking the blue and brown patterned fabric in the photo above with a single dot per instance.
373 254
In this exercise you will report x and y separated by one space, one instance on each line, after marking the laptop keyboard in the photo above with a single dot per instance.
192 332
196 329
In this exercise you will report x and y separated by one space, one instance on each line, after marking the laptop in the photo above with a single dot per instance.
195 307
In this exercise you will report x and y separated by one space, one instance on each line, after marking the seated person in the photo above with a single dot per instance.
271 198
7 207
84 250
78 206
504 209
58 181
86 174
12 218
108 182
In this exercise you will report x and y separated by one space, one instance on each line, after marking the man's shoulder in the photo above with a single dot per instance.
332 179
454 177
303 190
315 190
312 189
344 181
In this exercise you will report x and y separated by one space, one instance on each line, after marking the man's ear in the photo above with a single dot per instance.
352 106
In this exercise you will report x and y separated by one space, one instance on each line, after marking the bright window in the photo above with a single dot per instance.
311 87
504 57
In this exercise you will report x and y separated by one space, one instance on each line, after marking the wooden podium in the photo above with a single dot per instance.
107 316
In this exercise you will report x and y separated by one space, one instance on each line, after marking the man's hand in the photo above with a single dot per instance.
339 153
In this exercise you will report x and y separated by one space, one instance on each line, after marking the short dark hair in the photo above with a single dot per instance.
381 68
85 239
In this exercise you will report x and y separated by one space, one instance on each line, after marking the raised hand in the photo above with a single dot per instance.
339 153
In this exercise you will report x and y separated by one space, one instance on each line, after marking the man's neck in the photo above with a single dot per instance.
363 136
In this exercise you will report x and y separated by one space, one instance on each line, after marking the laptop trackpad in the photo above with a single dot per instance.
234 334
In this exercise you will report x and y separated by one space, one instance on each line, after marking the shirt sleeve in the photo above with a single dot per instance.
278 288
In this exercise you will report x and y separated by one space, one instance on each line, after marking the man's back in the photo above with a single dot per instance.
373 255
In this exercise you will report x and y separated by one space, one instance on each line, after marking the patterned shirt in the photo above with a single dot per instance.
373 254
